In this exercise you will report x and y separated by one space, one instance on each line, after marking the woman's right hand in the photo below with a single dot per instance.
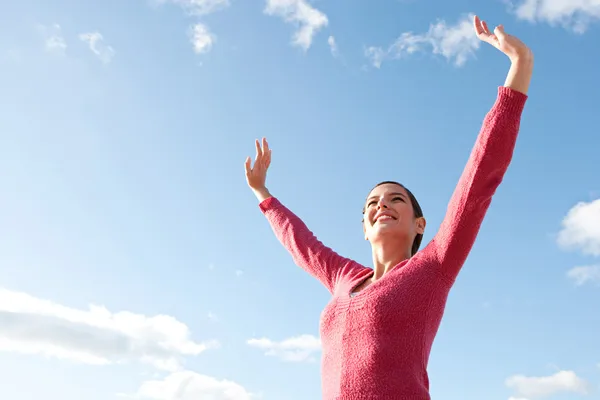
256 176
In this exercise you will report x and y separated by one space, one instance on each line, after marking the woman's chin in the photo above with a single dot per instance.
385 232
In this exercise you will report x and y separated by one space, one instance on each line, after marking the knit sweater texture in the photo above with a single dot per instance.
376 344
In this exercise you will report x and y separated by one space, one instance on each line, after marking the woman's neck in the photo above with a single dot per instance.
386 256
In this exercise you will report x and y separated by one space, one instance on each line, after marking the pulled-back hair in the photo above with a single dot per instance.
418 212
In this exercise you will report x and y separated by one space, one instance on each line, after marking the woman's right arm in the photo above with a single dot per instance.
306 250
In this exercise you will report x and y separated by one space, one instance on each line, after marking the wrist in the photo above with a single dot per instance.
262 194
519 74
522 61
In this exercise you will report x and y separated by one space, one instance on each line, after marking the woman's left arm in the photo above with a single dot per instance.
489 159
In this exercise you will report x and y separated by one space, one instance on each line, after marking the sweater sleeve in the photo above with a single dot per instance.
306 250
485 169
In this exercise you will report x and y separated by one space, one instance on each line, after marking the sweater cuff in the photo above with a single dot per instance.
267 204
510 100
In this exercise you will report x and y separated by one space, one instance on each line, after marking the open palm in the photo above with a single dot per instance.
256 176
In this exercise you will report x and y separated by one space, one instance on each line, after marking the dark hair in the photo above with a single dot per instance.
418 212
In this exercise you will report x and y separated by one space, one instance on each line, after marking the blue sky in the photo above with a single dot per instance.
135 263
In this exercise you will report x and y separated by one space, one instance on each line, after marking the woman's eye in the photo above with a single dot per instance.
398 198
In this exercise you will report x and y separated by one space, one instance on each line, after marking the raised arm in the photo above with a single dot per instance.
489 158
306 250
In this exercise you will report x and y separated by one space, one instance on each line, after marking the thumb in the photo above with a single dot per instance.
499 32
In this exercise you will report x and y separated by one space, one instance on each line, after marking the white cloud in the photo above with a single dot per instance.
212 316
202 39
188 385
571 14
30 325
198 7
296 349
53 38
333 46
540 387
585 274
377 55
96 43
308 19
581 228
455 42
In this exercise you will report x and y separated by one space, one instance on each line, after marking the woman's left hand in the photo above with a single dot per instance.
510 45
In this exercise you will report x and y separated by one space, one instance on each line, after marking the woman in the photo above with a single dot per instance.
379 326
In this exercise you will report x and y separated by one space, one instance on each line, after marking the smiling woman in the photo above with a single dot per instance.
378 329
404 195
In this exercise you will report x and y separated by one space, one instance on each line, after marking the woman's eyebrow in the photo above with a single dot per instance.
391 194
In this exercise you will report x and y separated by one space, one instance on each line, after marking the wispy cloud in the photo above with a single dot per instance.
585 274
202 39
295 349
95 41
581 229
198 7
212 316
576 15
545 386
53 38
188 385
308 19
333 47
377 55
457 43
30 325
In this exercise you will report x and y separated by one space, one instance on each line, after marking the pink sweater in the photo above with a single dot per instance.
376 344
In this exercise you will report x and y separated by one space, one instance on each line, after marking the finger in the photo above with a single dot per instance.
477 25
247 166
258 150
487 36
485 27
263 153
483 32
266 152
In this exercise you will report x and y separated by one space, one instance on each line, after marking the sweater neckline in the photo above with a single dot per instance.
349 294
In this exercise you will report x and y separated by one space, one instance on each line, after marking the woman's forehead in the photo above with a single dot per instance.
386 189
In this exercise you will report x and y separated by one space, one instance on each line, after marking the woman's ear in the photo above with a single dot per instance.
421 224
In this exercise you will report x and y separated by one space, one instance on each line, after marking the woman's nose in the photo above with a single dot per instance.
382 204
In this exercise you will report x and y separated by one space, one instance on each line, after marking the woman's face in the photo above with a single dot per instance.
389 211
